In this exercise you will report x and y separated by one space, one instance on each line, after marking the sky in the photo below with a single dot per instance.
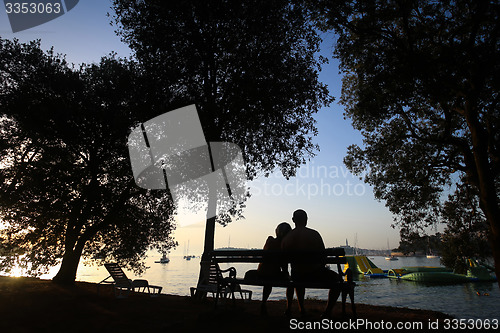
339 205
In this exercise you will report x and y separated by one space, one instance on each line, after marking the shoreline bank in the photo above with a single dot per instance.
31 305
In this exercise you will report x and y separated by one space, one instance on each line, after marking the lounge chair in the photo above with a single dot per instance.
122 283
218 285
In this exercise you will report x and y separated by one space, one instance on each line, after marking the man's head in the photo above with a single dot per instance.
299 218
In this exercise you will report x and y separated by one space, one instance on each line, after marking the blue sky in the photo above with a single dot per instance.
339 205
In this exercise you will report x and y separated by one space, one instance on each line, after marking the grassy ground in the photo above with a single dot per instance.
34 305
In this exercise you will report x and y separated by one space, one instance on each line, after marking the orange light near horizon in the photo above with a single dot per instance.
16 272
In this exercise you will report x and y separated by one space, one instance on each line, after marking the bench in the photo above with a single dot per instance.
333 256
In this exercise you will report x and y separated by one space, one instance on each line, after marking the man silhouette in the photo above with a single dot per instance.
302 238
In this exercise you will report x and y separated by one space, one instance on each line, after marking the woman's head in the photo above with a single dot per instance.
282 229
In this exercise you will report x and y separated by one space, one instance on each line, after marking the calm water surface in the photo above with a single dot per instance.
460 300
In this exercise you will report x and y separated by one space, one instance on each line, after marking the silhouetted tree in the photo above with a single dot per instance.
412 242
466 233
421 84
249 66
67 188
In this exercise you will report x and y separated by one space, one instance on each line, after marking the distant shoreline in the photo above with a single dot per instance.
349 251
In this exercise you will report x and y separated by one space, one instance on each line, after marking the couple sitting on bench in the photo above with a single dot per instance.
300 238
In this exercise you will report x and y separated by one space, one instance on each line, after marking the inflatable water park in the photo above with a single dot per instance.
363 265
475 272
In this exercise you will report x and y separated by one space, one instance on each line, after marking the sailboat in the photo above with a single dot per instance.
432 255
187 256
390 257
163 260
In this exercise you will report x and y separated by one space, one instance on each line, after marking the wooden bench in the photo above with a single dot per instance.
334 256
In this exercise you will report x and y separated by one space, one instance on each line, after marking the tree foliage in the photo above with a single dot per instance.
466 233
249 66
67 189
66 183
421 84
413 242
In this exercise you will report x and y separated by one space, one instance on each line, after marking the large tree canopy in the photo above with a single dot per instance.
249 66
421 84
66 183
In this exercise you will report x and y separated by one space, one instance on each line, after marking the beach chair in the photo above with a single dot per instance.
220 286
122 283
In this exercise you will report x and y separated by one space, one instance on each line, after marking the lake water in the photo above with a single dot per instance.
460 300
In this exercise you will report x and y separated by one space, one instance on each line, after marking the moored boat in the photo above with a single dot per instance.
163 260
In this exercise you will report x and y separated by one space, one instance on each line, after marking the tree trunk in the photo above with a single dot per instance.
495 246
491 210
489 202
69 265
209 238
